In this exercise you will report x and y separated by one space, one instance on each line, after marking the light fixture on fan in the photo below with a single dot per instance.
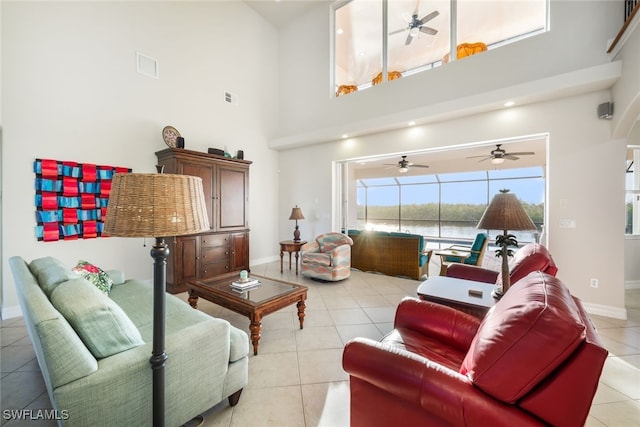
416 25
404 165
499 155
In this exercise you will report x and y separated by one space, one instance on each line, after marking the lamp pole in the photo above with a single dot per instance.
159 253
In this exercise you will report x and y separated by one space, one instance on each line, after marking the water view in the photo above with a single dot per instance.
444 232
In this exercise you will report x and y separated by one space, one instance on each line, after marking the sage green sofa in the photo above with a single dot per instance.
95 357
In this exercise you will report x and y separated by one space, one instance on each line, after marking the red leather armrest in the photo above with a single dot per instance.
437 321
472 272
421 382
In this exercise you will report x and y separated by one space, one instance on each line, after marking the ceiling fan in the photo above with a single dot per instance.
416 26
404 165
498 155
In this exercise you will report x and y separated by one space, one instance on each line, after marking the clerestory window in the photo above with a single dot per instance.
376 41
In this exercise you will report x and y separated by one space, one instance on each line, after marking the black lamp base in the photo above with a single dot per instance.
159 253
296 234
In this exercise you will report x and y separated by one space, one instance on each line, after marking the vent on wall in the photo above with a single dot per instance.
231 98
146 65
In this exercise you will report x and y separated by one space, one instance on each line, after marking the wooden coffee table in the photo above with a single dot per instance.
270 296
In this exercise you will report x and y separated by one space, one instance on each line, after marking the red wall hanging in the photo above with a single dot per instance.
71 199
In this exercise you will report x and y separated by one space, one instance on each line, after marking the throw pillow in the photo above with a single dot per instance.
50 272
95 275
99 322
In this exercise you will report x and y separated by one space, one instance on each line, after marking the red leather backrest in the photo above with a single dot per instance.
531 331
531 257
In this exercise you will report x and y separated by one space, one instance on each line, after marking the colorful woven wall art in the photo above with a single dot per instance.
71 199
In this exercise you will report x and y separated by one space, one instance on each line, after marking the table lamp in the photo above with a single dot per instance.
296 213
505 213
156 205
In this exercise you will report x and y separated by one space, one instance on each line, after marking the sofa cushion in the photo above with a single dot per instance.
101 324
533 329
95 275
50 272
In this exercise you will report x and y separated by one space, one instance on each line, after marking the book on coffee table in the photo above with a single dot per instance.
251 283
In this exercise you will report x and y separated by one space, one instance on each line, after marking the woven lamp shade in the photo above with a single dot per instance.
155 205
505 213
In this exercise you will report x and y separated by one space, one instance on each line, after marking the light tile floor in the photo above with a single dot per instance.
297 378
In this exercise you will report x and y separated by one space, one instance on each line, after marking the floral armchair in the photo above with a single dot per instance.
327 258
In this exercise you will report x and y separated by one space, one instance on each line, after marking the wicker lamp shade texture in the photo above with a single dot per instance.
152 205
505 213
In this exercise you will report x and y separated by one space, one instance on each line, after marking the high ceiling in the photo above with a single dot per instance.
280 12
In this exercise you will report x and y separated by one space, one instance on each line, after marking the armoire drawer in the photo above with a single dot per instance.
212 269
215 253
215 240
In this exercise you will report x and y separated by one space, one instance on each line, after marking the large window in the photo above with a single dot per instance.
446 206
380 40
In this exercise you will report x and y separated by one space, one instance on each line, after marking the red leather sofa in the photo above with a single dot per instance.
531 257
535 359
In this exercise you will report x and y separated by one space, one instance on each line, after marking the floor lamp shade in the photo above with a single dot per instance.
156 205
505 212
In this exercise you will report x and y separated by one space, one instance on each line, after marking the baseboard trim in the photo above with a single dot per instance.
11 312
265 260
632 284
605 310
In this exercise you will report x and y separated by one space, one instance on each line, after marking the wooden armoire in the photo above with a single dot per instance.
224 250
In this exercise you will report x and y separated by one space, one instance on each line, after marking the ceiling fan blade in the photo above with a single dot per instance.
477 157
511 157
523 153
409 39
485 159
419 166
397 31
429 30
429 17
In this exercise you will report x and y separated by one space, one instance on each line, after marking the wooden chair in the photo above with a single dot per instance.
471 255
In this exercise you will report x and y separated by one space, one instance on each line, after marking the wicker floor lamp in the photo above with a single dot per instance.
156 205
505 213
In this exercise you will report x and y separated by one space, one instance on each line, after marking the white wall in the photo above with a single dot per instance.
71 92
562 76
585 168
309 114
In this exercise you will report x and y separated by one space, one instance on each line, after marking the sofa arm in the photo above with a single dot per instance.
437 321
435 389
341 254
472 272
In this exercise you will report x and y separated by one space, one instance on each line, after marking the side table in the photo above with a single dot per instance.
465 295
290 246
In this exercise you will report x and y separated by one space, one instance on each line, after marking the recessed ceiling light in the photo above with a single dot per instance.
361 54
509 104
344 135
411 123
339 31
